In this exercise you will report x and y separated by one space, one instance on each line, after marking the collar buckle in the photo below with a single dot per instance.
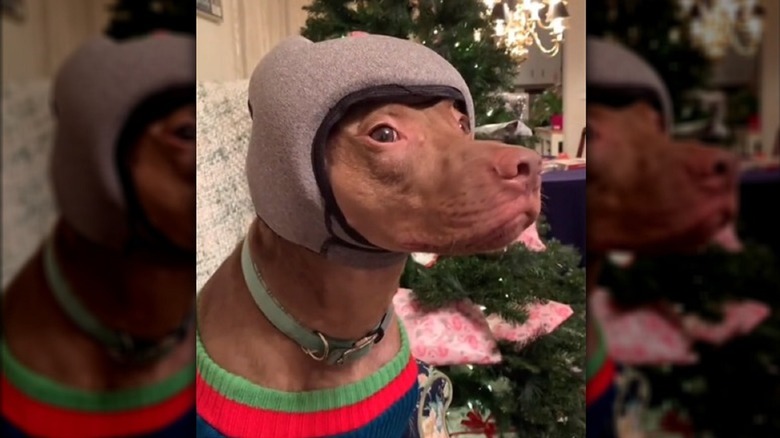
124 347
359 345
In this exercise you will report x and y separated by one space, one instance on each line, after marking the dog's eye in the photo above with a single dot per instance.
384 134
185 132
464 125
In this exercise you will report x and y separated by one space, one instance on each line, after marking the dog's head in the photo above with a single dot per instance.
647 192
411 178
125 114
362 150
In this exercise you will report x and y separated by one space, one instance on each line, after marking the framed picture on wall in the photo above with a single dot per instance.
14 9
211 9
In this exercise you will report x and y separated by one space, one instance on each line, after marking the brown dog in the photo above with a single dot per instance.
409 178
648 193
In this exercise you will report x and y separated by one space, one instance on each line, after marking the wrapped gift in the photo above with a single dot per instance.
739 318
640 336
457 334
530 238
543 319
649 336
728 239
461 333
473 423
424 258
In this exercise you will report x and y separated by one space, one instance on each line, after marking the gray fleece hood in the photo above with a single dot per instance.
94 93
612 67
297 94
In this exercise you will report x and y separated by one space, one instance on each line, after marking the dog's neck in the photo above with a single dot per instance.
139 295
337 300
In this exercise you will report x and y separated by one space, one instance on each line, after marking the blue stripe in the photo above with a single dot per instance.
600 415
391 424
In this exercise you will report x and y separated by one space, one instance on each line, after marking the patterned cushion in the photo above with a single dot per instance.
27 203
224 206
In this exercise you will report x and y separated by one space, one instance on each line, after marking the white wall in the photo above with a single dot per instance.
230 49
735 70
218 50
574 77
540 69
34 47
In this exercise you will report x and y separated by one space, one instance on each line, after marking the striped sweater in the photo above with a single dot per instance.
35 406
387 404
601 373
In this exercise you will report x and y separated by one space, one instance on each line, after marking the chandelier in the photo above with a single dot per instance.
717 25
519 23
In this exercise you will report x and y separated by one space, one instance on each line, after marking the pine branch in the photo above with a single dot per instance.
745 368
535 385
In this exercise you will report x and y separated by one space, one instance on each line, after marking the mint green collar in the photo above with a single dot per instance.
317 345
121 346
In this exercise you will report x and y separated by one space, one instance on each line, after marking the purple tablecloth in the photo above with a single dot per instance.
759 217
761 176
563 205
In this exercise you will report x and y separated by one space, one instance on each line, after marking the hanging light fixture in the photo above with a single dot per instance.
518 24
717 25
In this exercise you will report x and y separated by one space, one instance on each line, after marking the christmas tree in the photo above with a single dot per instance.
733 389
539 389
657 32
131 18
448 27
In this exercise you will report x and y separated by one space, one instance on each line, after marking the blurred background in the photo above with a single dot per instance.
703 331
37 36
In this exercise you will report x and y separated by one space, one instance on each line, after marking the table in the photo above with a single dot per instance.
759 217
563 206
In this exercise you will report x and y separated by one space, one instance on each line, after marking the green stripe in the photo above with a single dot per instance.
599 357
50 392
241 390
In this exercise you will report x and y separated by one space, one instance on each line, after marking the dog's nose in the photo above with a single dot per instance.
518 162
713 168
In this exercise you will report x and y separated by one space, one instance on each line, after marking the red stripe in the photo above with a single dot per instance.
234 419
600 382
39 419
